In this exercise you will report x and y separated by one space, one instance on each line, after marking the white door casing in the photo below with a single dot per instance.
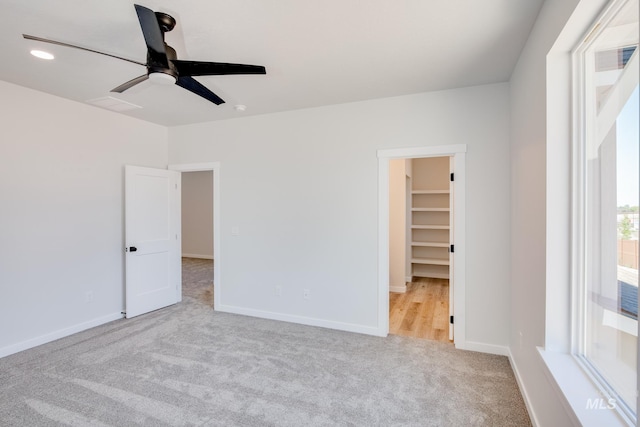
152 239
457 269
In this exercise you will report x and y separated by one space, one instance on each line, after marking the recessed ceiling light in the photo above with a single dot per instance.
240 107
41 54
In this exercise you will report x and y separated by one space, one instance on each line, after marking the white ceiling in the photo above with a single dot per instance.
317 52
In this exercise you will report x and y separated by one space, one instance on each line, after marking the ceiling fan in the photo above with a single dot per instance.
162 64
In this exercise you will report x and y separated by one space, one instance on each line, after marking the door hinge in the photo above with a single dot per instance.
451 176
451 319
451 249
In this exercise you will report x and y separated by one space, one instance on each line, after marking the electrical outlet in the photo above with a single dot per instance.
278 291
306 294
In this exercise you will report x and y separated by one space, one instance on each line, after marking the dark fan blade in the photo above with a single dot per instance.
152 35
130 83
199 68
192 85
40 39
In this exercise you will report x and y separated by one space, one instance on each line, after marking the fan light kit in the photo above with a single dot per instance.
163 65
161 78
41 54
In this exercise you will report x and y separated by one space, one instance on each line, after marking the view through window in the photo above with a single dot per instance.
608 204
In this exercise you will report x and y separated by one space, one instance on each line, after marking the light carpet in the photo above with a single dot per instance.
189 366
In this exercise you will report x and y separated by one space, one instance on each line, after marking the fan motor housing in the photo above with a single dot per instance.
154 67
166 21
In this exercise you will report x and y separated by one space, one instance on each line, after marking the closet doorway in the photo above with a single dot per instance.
205 274
422 242
420 236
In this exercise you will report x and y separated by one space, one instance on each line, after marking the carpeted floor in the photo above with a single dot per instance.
187 365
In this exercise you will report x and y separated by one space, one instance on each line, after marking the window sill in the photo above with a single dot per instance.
582 399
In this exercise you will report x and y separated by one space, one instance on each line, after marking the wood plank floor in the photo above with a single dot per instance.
421 312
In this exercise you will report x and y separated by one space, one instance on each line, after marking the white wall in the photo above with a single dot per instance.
302 188
197 214
61 215
397 225
531 166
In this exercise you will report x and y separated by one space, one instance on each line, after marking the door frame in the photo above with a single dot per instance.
458 154
217 253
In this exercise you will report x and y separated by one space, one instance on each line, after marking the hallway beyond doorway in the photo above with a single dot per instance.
197 280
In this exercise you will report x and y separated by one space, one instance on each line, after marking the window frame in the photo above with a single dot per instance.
582 80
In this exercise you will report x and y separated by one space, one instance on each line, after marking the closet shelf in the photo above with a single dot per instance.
430 216
431 275
430 192
431 244
433 261
430 209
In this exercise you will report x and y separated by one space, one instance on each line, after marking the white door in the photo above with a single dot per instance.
152 238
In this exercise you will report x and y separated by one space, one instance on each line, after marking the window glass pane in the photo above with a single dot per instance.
612 165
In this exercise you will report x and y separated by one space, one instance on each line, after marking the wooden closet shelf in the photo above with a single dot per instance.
434 261
432 275
430 192
431 244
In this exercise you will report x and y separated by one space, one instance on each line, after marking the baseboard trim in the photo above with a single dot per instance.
408 279
480 347
399 289
523 390
61 333
199 256
302 320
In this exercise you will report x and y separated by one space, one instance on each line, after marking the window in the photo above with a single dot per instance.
606 194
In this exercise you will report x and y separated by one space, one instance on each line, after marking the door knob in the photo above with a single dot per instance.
132 249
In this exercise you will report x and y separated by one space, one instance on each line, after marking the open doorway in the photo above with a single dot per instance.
457 303
202 259
197 236
420 235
